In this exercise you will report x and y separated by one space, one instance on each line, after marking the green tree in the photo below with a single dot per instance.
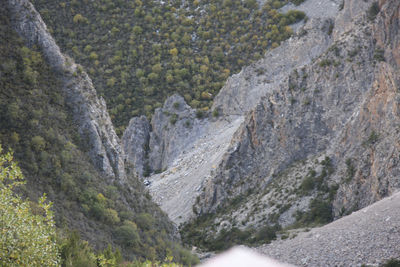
26 238
38 143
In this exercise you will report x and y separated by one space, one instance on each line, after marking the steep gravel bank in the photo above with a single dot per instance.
176 189
369 236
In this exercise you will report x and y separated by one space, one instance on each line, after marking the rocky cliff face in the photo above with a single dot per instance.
342 105
154 146
371 136
174 128
89 111
181 151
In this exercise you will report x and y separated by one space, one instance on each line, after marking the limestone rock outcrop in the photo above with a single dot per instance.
174 128
152 147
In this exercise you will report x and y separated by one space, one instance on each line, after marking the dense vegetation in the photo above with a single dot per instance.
25 238
196 233
36 123
139 52
205 232
28 233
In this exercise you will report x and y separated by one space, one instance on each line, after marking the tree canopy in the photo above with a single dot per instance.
27 229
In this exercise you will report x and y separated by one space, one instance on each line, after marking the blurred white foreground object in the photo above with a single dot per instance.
242 257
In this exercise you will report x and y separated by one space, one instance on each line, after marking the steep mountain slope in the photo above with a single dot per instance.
342 106
89 112
238 96
174 136
65 142
322 142
319 138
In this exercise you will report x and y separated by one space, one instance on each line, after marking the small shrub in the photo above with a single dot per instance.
187 124
111 216
391 263
330 30
351 170
320 212
215 113
308 182
176 105
97 211
199 114
145 221
127 235
325 62
267 233
38 143
379 54
372 139
373 11
78 18
173 119
297 2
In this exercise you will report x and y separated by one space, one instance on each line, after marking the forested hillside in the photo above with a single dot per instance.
140 52
36 123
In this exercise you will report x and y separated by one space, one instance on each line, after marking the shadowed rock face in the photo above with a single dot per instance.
90 112
135 144
343 104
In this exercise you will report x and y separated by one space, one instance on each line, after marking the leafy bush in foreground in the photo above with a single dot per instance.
27 235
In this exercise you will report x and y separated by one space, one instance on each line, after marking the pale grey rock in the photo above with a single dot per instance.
135 145
176 189
351 9
316 8
89 111
242 91
174 129
369 236
29 24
